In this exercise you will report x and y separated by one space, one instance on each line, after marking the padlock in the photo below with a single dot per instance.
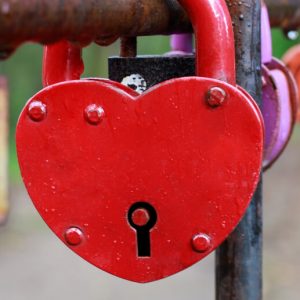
131 71
181 44
292 61
145 186
279 98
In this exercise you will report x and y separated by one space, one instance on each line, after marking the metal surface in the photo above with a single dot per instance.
104 21
239 259
140 152
62 61
3 150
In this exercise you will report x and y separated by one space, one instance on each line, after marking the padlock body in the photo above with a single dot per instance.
197 166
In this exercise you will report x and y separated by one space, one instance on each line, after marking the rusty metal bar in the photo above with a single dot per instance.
3 150
239 259
284 13
104 21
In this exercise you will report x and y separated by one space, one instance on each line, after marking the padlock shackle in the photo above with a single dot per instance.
215 49
62 61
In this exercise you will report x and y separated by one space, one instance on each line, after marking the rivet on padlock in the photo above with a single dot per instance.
94 114
74 236
37 111
216 96
201 242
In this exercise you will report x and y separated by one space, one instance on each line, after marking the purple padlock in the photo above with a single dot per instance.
279 98
181 44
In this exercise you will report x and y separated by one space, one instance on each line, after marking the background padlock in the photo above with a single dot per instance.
188 149
292 60
181 44
131 71
279 98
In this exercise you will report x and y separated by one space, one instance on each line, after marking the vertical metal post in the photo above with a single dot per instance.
239 259
3 150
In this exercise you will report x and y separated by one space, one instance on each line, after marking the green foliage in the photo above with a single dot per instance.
23 71
281 43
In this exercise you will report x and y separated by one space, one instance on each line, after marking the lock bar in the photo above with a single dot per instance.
104 21
239 259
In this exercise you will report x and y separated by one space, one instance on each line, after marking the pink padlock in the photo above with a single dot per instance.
181 44
279 104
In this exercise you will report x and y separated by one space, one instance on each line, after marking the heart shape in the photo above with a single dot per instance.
197 166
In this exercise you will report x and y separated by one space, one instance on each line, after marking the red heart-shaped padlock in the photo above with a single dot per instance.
85 178
145 186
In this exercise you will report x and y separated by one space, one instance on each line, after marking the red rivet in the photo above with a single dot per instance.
37 111
216 96
140 217
94 114
74 236
201 242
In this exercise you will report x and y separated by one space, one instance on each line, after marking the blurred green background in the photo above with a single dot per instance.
23 71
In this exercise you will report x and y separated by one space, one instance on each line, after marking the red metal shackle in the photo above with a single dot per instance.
215 54
62 61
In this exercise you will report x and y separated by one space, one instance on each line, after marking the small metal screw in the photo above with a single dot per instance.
94 114
201 242
37 111
216 96
74 236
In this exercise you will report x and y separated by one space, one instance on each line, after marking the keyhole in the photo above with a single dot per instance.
142 217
